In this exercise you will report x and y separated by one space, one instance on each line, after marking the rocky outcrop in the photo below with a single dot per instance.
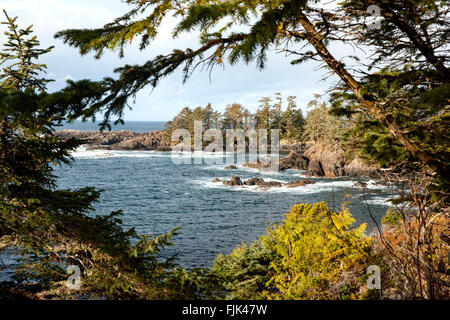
321 161
254 181
358 168
294 160
235 181
232 167
119 140
325 161
331 163
315 168
271 184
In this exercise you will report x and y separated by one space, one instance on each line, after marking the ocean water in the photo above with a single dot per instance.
157 196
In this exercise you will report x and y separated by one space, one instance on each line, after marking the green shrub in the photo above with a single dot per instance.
312 254
245 272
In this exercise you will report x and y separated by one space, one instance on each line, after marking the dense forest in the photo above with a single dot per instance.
394 106
286 118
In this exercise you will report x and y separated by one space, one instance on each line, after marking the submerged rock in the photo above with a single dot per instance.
258 164
299 183
360 184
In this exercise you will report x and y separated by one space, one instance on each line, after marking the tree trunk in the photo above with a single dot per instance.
315 39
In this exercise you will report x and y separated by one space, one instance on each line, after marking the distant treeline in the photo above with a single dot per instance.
271 114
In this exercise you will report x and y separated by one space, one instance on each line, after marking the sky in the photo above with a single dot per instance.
244 84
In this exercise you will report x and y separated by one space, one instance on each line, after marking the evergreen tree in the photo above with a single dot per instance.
276 112
292 121
216 117
208 117
409 81
323 127
262 116
234 116
247 120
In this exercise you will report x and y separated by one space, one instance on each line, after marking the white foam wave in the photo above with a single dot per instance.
376 185
380 201
318 187
83 153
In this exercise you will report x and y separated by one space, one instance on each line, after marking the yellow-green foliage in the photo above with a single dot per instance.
312 254
318 255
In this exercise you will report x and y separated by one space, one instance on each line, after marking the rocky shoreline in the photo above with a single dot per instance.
236 181
317 160
119 140
330 165
259 182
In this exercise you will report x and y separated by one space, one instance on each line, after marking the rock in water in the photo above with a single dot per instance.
360 184
254 181
261 183
235 181
232 167
257 165
299 183
271 184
